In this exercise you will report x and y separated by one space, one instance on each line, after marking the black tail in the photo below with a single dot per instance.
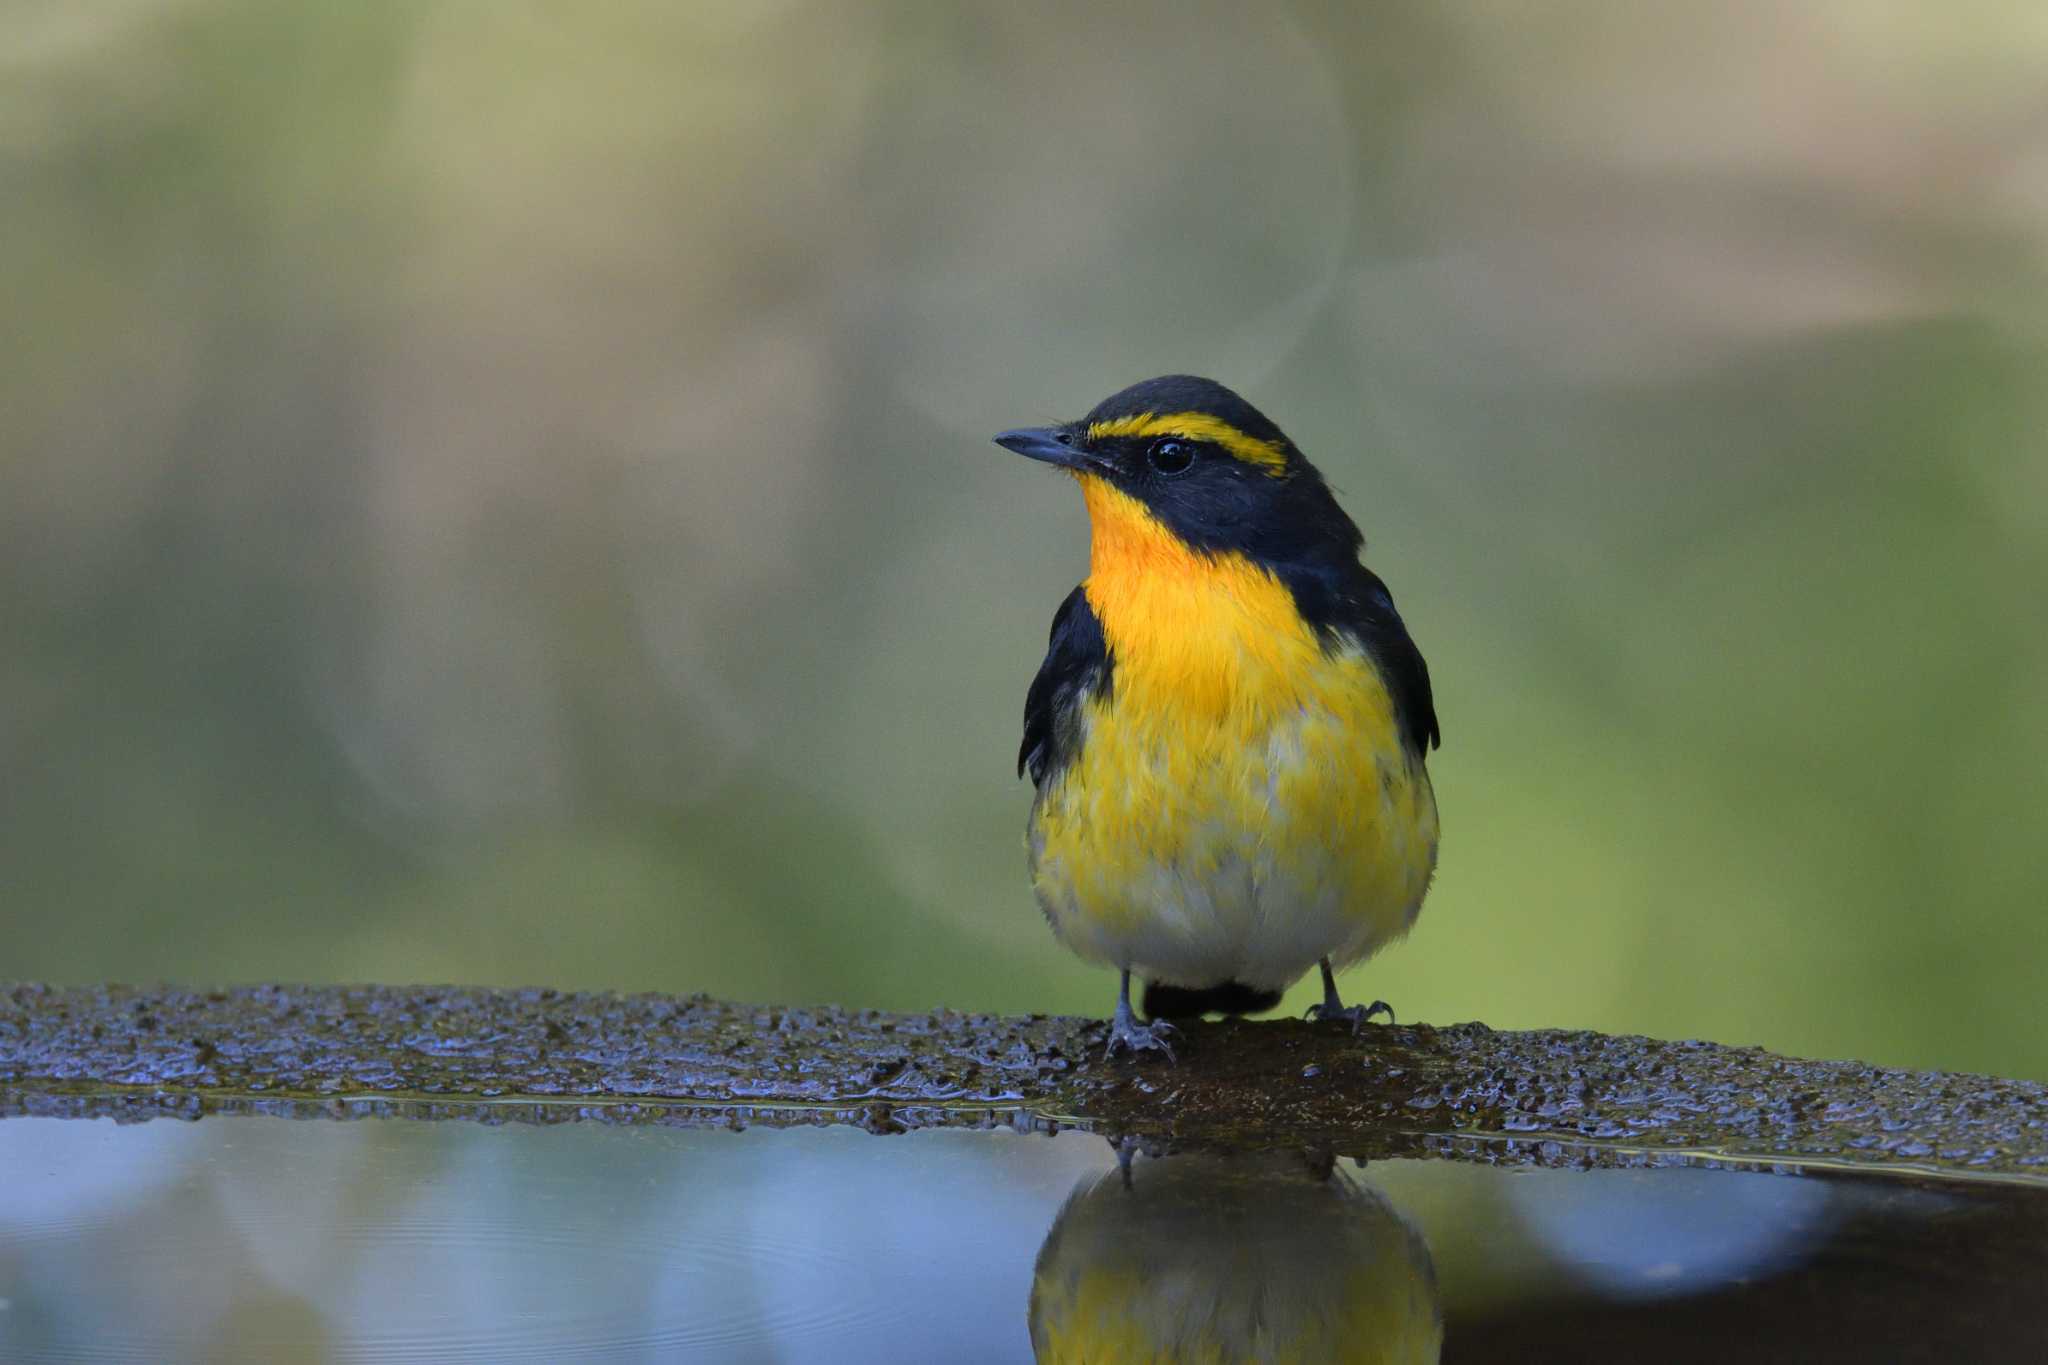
1181 1002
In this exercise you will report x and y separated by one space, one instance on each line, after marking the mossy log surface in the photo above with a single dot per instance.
1545 1096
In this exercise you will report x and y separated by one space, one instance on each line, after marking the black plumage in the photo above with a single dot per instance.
1077 666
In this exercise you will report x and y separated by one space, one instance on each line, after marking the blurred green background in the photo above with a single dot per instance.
500 492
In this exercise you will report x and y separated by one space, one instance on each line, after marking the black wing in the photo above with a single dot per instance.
1349 599
1077 666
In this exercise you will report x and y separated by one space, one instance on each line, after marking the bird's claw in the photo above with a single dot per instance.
1128 1032
1359 1015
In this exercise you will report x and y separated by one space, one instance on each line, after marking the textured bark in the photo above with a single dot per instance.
1545 1096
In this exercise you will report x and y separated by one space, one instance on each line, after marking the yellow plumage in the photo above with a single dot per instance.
1252 1259
1242 803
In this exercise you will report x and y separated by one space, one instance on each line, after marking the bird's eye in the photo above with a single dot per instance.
1171 456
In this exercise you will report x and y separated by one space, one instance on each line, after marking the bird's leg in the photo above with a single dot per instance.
1333 1006
1125 1030
1125 1147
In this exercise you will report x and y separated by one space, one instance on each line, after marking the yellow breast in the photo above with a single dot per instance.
1205 1259
1242 803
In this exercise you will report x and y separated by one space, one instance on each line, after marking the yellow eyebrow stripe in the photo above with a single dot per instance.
1198 426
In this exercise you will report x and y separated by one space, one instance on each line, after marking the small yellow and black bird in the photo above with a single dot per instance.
1207 1257
1228 733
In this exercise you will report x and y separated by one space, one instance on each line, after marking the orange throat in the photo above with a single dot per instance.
1205 631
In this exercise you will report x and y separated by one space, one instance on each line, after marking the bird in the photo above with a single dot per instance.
1209 1256
1227 739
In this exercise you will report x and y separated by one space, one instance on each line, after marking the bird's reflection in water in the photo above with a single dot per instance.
1218 1257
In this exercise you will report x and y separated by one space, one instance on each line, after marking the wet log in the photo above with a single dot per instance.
1544 1096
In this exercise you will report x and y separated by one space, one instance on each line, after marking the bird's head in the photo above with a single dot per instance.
1188 456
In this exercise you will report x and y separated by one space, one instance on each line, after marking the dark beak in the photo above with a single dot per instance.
1043 443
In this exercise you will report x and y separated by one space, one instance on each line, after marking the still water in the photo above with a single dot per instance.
386 1240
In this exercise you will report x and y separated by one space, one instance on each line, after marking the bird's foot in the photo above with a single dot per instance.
1359 1015
1126 1031
1126 1148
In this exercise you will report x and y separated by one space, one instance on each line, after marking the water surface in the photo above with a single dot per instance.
385 1240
